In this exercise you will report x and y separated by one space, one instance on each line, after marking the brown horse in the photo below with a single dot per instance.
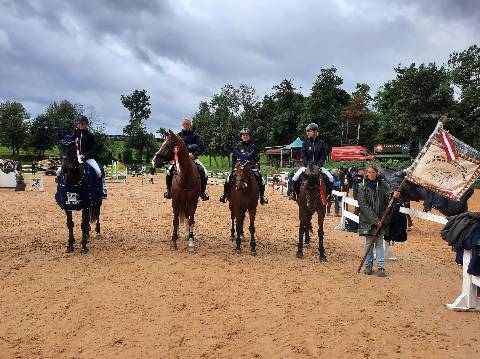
185 186
244 197
312 198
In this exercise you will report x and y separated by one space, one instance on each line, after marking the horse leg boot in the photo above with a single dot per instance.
232 229
308 229
191 228
71 238
321 249
85 230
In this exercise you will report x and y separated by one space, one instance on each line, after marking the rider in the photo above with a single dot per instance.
248 148
313 150
195 148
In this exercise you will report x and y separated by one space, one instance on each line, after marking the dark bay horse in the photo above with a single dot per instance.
244 197
312 199
76 192
185 186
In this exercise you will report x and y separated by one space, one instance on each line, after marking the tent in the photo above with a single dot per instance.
294 145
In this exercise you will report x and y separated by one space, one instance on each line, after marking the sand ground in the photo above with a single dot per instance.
132 297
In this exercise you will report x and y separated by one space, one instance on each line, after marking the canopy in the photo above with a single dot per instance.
295 144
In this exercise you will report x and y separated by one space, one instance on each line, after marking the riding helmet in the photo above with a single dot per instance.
245 130
312 126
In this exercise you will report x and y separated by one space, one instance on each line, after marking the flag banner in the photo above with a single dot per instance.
445 165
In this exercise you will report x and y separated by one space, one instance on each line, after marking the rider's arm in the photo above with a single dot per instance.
200 146
323 154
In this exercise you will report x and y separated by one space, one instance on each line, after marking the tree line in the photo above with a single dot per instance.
404 110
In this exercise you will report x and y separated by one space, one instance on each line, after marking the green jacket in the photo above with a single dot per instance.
372 204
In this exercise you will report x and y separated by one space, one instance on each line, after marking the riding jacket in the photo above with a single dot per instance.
314 150
191 138
245 151
86 143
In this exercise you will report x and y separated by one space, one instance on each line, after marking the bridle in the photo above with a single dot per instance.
243 179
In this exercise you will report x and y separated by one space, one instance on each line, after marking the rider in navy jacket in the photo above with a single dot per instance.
314 150
245 150
190 137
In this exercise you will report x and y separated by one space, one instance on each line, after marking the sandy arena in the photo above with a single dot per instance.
132 297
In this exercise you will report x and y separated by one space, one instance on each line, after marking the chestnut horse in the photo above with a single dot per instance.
312 198
185 185
244 196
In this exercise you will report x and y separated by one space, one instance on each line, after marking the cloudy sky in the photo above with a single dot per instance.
184 51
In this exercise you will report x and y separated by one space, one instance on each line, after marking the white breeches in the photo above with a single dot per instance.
326 172
95 166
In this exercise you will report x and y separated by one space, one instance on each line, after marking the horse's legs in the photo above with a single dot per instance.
97 225
191 229
239 219
71 238
85 230
173 246
321 249
308 228
301 231
253 244
232 230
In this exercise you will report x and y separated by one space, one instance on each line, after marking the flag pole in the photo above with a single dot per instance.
385 214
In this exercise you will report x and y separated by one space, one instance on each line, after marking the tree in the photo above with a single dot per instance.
13 125
62 116
42 134
410 105
138 104
355 114
324 106
465 74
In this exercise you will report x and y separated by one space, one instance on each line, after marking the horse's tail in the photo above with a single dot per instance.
95 212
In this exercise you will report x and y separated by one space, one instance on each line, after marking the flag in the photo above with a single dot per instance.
445 165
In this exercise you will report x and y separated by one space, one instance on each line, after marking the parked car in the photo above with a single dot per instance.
351 153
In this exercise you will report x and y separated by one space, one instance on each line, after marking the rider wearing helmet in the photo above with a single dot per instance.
248 150
313 150
195 148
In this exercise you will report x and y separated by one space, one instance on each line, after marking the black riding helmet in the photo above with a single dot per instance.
312 126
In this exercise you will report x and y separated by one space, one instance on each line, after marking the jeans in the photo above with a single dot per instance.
379 251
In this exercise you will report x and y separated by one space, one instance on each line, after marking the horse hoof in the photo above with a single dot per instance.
323 258
84 250
99 236
69 249
242 238
299 255
173 246
253 253
238 251
307 245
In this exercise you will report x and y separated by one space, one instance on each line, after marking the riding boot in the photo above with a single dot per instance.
203 186
226 192
169 180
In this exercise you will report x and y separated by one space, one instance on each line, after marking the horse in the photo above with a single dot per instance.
244 197
76 192
185 186
311 199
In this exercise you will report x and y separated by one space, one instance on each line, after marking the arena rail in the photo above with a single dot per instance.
469 299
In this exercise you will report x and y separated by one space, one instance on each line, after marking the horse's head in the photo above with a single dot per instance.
243 169
165 153
68 153
312 182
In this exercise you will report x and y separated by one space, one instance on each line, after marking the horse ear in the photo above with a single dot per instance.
170 132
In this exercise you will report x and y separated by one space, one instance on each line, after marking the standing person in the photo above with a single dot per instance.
195 148
152 171
337 184
34 168
245 148
313 150
373 198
